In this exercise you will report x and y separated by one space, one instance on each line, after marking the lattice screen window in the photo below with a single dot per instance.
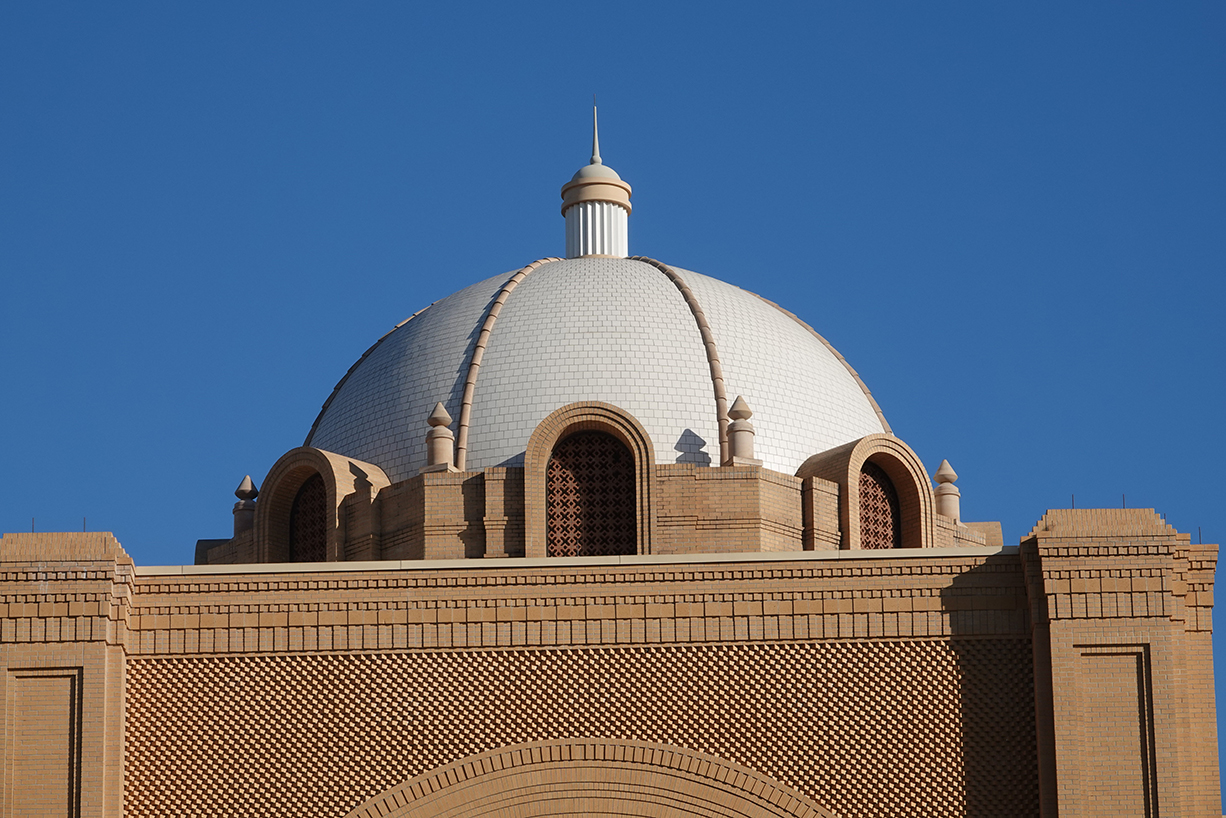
589 497
880 520
308 522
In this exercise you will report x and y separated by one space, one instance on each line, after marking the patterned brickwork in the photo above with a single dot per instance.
589 487
864 728
880 522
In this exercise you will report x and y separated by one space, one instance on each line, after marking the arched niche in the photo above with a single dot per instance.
341 477
580 417
591 777
902 466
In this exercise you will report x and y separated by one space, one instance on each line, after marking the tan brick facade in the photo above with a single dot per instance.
1069 676
681 508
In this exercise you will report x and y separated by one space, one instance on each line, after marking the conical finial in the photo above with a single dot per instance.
595 135
439 416
740 435
948 496
246 490
740 409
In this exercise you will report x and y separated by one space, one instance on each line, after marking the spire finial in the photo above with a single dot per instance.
595 135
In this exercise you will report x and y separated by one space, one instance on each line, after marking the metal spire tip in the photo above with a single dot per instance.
595 135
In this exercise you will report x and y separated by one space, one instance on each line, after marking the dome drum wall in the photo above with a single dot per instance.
673 508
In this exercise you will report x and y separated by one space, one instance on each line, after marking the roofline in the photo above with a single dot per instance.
355 365
537 564
885 424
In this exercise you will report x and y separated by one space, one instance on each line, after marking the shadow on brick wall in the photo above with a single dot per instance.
986 610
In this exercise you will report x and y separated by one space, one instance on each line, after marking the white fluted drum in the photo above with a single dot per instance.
596 229
617 330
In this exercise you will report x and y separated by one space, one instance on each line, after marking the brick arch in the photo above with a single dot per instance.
596 777
341 476
580 417
843 465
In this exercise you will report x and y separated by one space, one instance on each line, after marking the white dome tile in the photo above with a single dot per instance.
613 330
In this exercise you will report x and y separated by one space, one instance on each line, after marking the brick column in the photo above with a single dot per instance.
1123 671
63 625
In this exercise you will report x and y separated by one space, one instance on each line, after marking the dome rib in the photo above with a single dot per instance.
708 342
659 341
336 389
474 363
854 374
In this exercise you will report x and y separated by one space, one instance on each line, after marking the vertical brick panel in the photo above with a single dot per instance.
44 753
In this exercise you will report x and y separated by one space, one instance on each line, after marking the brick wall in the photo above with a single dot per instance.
1072 674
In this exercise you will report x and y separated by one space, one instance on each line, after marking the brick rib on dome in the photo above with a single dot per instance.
708 342
371 412
474 363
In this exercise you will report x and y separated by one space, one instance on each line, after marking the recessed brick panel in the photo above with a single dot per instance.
922 727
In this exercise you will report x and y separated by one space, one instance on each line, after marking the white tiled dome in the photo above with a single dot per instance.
608 329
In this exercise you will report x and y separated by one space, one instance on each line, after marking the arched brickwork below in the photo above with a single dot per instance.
880 517
308 522
592 778
288 509
879 477
589 497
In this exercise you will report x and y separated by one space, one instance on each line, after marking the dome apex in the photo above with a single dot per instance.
595 171
596 203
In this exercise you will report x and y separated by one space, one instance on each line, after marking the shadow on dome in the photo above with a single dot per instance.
692 449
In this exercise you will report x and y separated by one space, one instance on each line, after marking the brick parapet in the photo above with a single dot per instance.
913 598
681 508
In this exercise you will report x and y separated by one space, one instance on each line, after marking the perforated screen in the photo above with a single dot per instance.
880 521
308 522
589 497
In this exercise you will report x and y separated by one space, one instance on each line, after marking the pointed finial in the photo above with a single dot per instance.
439 416
945 473
246 490
595 135
740 409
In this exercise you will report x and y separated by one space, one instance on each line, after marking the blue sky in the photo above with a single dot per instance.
1010 219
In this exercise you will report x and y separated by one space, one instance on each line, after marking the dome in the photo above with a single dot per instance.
618 330
595 172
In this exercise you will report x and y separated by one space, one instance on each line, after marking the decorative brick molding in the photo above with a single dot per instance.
580 417
538 606
623 777
342 476
842 465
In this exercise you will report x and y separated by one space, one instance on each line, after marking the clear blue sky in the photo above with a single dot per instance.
1011 219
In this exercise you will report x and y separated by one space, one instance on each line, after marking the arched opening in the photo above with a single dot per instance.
308 522
590 497
880 513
